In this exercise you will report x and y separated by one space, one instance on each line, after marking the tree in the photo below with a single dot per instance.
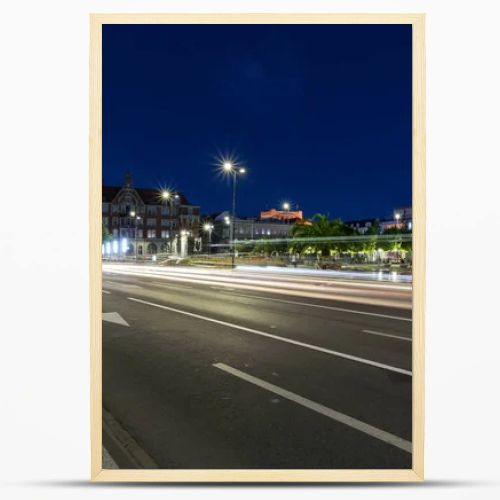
321 227
397 244
267 247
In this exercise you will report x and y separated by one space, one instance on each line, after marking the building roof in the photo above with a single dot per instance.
148 196
281 214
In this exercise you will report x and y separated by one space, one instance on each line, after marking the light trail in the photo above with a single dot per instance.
379 294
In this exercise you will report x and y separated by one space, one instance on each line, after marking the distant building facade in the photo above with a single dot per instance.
401 219
362 225
249 228
144 224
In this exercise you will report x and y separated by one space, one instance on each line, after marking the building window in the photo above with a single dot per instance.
152 249
151 222
165 234
151 233
151 210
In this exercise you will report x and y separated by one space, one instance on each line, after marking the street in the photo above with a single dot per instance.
244 369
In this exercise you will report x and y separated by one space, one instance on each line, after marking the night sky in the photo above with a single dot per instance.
320 115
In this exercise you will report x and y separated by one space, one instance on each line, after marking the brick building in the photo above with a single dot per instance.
142 223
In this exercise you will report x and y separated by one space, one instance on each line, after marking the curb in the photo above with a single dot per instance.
122 446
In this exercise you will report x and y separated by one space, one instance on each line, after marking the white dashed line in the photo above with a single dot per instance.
332 308
382 334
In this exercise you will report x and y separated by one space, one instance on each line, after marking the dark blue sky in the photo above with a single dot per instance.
319 114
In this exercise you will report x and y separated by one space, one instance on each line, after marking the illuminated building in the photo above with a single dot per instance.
149 223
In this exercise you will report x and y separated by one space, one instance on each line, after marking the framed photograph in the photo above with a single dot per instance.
257 247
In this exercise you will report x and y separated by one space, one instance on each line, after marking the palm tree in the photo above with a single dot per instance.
321 227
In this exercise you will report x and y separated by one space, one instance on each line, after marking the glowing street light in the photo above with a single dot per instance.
169 196
286 208
398 216
136 220
208 228
231 169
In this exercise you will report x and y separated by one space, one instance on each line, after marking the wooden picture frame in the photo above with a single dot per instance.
416 473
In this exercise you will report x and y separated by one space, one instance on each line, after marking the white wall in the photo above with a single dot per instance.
44 450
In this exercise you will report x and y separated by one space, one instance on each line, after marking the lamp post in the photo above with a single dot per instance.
136 220
397 216
286 208
229 168
208 227
132 215
169 198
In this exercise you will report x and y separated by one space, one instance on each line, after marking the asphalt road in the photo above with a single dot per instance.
205 372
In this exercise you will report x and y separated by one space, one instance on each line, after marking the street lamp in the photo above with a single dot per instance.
397 216
169 197
233 170
286 208
136 219
208 227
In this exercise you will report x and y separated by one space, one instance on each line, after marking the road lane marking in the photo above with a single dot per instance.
277 337
341 309
354 423
106 291
382 334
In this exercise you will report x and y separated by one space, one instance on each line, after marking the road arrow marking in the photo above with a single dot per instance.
114 317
